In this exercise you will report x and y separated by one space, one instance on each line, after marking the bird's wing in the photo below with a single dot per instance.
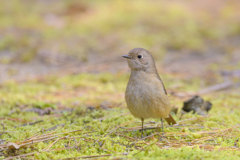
162 84
170 119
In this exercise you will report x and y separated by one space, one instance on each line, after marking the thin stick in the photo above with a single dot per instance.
145 147
48 147
23 155
105 155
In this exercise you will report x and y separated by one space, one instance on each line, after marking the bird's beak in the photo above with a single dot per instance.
126 56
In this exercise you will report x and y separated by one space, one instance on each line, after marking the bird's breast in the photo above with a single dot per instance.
145 96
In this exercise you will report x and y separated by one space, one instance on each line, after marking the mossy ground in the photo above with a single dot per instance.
95 127
84 114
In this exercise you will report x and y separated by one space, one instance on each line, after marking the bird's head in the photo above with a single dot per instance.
140 59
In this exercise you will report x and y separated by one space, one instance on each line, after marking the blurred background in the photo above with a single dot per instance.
191 38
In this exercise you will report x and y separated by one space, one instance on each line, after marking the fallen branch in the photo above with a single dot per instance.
55 127
30 123
216 87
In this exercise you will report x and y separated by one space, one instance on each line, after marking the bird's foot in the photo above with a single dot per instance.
162 136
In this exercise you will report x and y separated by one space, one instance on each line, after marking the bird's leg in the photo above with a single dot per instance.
162 127
142 127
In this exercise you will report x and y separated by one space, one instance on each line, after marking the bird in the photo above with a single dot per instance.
145 95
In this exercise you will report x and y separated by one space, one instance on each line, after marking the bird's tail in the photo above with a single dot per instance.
170 120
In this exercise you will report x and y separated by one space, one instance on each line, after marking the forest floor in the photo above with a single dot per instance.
84 115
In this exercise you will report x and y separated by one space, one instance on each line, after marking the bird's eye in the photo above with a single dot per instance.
140 56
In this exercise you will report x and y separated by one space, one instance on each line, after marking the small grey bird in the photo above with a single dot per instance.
146 95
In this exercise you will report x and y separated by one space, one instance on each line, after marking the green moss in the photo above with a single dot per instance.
97 135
